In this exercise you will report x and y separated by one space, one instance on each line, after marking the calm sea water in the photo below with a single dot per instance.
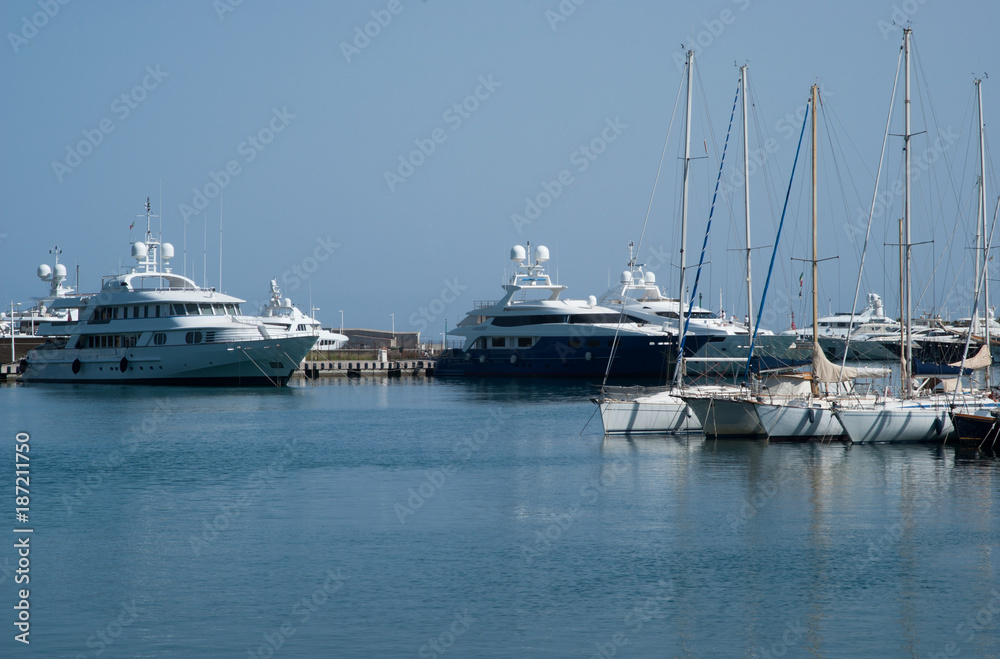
457 519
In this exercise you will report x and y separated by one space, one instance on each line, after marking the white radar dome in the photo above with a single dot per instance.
60 271
517 253
650 278
43 271
626 277
287 302
592 300
541 254
167 251
139 250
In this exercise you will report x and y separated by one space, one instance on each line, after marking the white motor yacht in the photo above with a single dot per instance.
153 326
281 313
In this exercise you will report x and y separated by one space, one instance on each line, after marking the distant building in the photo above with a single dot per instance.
361 339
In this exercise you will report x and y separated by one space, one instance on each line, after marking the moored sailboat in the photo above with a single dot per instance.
917 415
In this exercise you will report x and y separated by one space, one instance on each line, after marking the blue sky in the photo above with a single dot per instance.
301 118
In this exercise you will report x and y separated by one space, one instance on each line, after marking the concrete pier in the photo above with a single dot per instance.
366 368
324 369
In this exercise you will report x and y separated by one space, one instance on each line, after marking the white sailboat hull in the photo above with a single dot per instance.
888 423
721 417
815 421
649 414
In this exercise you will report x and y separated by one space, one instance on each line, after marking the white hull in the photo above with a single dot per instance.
721 417
817 421
660 413
237 363
895 423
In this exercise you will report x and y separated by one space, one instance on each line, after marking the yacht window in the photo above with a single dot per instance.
520 321
192 309
497 342
114 313
193 337
525 341
145 311
611 318
159 338
575 343
135 312
593 343
157 311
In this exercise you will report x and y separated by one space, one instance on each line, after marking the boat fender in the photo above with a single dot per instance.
123 365
468 356
482 359
76 366
688 411
812 415
513 359
937 425
588 356
22 366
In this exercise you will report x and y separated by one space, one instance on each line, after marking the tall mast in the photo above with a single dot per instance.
746 193
815 268
988 315
679 370
907 292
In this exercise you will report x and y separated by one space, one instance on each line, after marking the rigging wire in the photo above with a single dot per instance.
708 228
871 212
770 269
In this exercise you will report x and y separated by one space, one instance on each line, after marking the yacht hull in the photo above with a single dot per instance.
897 424
649 414
635 357
726 417
770 351
790 422
858 350
247 363
977 431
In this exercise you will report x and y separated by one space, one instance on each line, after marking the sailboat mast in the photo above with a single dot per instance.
987 314
815 257
746 193
907 292
679 370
